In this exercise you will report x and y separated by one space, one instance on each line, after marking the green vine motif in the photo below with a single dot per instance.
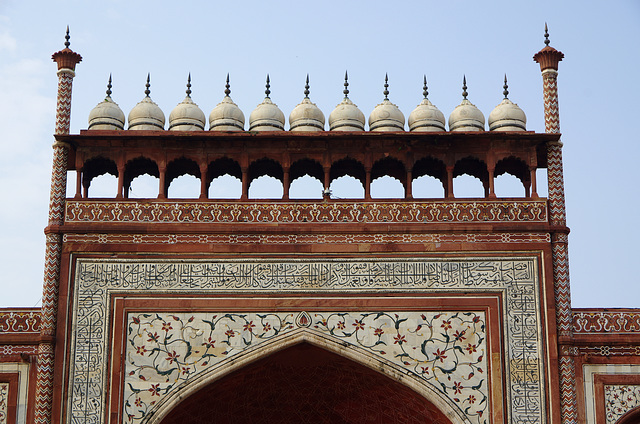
169 350
446 349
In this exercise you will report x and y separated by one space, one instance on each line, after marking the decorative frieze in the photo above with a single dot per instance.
485 211
590 322
17 321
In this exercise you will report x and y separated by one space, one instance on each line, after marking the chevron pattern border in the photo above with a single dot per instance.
551 110
568 399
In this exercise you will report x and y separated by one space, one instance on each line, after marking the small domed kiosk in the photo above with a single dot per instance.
107 115
426 117
386 116
187 116
507 116
146 115
466 116
266 116
226 116
346 116
306 116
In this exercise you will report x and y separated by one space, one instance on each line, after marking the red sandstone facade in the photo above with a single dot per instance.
388 311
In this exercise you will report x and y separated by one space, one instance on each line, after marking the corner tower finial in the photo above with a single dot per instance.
66 38
66 58
548 57
546 35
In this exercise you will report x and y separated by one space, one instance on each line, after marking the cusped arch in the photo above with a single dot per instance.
265 166
392 167
96 167
306 166
446 408
139 166
348 166
179 167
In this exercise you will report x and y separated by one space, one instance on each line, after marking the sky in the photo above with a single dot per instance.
598 88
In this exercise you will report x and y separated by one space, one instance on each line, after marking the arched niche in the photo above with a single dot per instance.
300 372
429 168
224 179
388 178
344 175
472 167
263 174
306 178
137 167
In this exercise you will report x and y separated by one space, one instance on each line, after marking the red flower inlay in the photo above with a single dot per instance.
230 333
378 332
446 325
340 325
209 343
166 326
185 370
138 402
399 339
266 327
457 387
140 350
359 325
471 348
153 337
459 335
249 327
173 357
440 355
155 389
425 370
472 399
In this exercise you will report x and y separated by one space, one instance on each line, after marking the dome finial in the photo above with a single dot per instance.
267 91
464 87
148 85
425 92
189 85
386 87
546 35
109 87
227 90
66 38
346 85
506 87
306 88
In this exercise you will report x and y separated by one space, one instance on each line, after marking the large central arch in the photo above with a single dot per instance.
305 377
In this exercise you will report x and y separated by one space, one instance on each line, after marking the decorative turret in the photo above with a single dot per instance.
266 116
226 116
386 116
306 116
107 115
146 115
507 116
466 117
346 116
187 116
426 117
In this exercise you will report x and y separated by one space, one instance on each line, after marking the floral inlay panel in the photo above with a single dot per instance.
446 349
4 400
620 399
515 278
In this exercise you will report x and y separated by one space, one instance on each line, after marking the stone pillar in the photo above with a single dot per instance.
548 58
67 61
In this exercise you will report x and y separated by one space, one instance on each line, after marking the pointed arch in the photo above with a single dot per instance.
446 410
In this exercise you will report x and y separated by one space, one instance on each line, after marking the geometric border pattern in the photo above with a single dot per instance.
516 278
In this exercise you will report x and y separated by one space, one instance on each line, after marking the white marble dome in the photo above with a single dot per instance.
266 116
107 115
187 116
306 116
346 116
466 116
226 116
386 116
507 116
426 117
146 115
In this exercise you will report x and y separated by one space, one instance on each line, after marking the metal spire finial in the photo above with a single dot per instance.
109 87
546 35
267 91
306 88
464 87
227 91
386 87
66 38
346 85
189 85
506 87
148 84
425 92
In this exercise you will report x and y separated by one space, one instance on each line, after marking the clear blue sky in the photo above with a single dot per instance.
598 88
